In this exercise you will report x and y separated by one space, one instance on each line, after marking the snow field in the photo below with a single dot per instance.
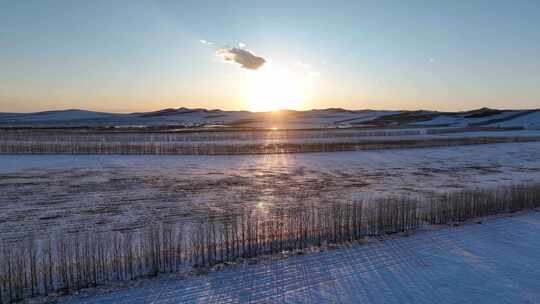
493 262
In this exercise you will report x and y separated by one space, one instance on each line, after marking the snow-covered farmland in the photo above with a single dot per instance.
42 194
492 262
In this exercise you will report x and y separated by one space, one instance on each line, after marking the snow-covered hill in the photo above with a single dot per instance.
325 118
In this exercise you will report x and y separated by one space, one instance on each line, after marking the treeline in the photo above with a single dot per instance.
226 148
67 136
68 263
187 143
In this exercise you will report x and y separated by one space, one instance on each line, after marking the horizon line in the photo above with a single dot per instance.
280 110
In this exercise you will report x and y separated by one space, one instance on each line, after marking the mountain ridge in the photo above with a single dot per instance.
314 118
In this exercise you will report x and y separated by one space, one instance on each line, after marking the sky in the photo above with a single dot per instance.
127 56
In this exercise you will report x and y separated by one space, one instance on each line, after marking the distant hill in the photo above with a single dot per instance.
317 118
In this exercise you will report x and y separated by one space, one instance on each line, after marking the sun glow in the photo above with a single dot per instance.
271 88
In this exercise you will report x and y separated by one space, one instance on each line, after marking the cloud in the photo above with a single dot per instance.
205 42
244 58
304 65
308 68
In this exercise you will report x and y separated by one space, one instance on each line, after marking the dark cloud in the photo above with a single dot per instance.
244 58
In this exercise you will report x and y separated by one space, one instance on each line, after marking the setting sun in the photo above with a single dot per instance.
274 88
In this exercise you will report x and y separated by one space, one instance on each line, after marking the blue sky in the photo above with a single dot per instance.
145 55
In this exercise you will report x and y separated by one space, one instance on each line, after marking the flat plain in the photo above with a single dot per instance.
47 194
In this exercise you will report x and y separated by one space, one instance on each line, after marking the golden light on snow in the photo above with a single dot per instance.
273 88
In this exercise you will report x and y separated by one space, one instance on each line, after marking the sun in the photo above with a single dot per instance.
272 88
